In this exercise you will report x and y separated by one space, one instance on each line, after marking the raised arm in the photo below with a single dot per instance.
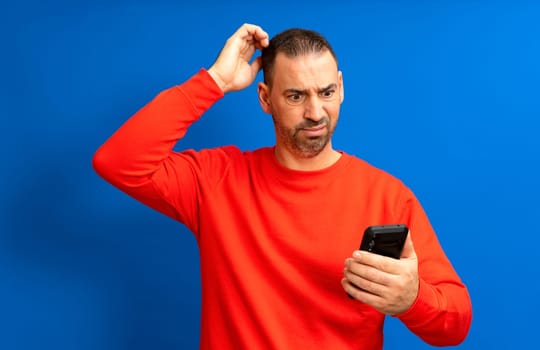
139 158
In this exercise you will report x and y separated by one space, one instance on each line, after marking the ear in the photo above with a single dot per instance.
341 87
264 97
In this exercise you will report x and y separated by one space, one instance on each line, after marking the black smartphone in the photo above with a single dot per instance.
387 240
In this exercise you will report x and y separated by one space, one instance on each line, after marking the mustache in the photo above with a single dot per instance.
308 123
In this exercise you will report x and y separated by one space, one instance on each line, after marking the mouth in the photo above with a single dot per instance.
315 131
314 128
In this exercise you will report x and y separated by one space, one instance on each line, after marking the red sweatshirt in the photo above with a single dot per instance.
273 240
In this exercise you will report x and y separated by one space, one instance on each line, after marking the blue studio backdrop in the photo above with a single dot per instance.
442 94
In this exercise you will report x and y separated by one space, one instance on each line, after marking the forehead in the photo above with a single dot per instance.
313 70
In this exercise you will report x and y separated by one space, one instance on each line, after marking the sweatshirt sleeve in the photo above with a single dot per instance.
139 158
442 312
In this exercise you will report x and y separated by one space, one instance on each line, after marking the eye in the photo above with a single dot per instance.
295 98
327 93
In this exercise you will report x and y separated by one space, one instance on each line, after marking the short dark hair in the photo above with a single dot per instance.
293 42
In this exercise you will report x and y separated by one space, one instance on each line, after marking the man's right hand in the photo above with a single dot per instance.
232 70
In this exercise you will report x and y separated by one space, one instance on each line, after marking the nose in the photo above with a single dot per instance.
314 109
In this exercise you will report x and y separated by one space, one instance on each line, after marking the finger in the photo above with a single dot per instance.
368 278
263 39
256 65
260 37
361 295
379 262
353 291
365 271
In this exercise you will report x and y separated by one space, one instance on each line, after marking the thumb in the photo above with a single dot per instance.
408 248
256 66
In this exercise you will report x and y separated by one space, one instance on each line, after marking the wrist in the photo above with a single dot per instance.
217 79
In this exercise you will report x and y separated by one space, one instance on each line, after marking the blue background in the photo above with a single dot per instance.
442 94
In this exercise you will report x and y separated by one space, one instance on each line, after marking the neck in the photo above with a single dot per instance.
327 157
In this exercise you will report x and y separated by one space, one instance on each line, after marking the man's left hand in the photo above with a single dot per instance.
389 285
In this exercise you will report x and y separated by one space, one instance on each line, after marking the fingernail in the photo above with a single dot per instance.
357 254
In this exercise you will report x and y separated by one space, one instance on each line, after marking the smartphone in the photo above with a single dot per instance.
387 240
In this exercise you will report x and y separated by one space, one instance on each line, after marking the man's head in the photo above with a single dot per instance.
292 43
302 90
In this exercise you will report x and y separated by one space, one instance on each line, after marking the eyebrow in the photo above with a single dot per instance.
323 89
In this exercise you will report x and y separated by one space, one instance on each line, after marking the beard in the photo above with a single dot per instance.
304 145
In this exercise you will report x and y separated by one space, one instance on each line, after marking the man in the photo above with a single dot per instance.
276 226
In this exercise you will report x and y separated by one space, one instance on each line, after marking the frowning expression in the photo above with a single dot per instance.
304 100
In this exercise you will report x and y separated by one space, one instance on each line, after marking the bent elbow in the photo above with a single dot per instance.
102 164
